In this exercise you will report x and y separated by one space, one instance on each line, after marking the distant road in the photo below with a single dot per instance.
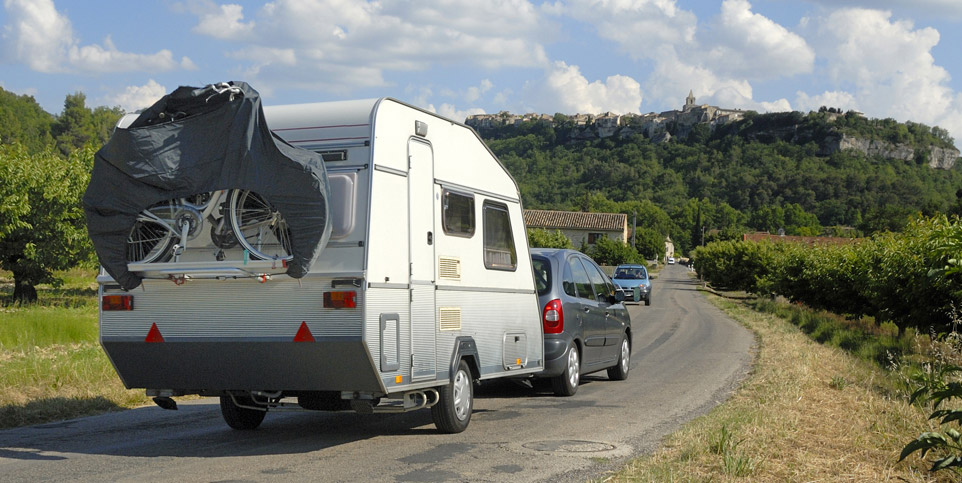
687 357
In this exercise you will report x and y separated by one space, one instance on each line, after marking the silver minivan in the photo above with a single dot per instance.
586 326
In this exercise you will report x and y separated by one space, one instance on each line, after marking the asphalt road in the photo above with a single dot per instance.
687 357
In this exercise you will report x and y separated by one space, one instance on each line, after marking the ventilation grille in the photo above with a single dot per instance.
449 268
450 318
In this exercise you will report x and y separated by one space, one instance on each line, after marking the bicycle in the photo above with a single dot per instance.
161 232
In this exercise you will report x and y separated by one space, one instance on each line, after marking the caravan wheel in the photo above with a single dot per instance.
238 417
452 413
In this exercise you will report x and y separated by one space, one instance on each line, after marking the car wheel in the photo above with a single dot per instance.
452 413
566 384
619 372
648 300
240 418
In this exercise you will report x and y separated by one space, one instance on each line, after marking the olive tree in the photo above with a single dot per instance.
42 226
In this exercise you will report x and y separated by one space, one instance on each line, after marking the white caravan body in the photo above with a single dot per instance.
428 244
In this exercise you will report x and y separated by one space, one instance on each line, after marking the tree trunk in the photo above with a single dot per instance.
23 292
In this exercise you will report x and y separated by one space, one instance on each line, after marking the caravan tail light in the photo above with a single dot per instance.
340 300
553 317
117 302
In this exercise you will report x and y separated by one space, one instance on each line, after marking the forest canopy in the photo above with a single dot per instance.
744 176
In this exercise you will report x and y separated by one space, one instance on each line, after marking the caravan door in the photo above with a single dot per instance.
421 233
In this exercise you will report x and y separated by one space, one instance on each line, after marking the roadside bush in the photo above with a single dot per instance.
911 279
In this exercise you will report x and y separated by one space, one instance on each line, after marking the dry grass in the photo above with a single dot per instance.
51 366
43 384
807 413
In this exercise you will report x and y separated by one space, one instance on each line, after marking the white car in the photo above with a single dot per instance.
671 260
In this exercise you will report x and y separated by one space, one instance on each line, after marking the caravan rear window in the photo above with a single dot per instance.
457 215
499 252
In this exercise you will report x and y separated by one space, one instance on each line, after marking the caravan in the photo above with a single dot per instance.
423 288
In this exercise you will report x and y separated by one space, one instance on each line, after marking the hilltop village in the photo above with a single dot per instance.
654 126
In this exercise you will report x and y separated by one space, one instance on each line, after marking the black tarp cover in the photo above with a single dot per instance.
196 140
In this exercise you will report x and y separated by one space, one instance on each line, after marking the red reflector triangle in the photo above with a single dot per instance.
154 334
304 334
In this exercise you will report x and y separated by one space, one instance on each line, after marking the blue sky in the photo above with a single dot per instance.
886 58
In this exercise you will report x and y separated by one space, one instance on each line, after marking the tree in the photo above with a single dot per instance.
541 238
42 226
606 251
650 243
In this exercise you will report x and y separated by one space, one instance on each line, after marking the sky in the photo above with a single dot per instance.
897 59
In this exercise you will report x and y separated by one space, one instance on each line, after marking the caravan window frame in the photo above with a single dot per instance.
449 226
491 246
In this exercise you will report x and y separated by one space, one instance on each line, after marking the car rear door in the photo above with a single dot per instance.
608 312
592 314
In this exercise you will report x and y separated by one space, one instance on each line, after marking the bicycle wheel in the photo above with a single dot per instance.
150 240
259 227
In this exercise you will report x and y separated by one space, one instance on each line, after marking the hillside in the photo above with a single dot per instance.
761 172
24 122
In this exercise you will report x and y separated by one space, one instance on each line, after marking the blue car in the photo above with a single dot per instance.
627 277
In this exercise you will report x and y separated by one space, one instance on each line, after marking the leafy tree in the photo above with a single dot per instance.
42 227
77 125
606 251
650 244
23 121
541 238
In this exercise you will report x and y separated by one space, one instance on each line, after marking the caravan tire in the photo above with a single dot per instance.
452 413
240 418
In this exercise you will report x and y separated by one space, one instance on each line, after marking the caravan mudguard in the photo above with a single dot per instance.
465 348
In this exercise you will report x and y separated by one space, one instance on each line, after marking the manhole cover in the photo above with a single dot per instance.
569 446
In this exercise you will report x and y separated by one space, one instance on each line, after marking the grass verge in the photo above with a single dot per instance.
51 366
808 412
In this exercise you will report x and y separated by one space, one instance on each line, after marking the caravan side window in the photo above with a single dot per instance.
499 252
457 214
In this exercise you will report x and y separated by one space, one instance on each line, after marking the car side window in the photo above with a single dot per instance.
580 277
542 274
599 280
567 282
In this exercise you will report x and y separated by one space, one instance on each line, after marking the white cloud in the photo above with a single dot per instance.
716 62
750 45
42 38
37 34
838 99
137 97
457 115
635 25
888 67
565 89
221 21
345 45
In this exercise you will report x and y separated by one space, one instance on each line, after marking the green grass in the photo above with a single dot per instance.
26 327
51 365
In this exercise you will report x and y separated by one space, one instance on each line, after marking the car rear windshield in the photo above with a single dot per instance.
542 274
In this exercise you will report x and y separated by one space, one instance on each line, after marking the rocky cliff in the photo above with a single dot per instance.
941 158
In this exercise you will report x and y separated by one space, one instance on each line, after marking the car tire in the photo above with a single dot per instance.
619 372
566 384
240 418
648 300
452 413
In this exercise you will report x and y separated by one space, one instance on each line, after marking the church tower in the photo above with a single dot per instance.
689 101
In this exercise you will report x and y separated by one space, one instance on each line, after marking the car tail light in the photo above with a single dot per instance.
340 300
117 302
553 317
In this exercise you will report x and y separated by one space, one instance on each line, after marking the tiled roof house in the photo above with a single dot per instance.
579 226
